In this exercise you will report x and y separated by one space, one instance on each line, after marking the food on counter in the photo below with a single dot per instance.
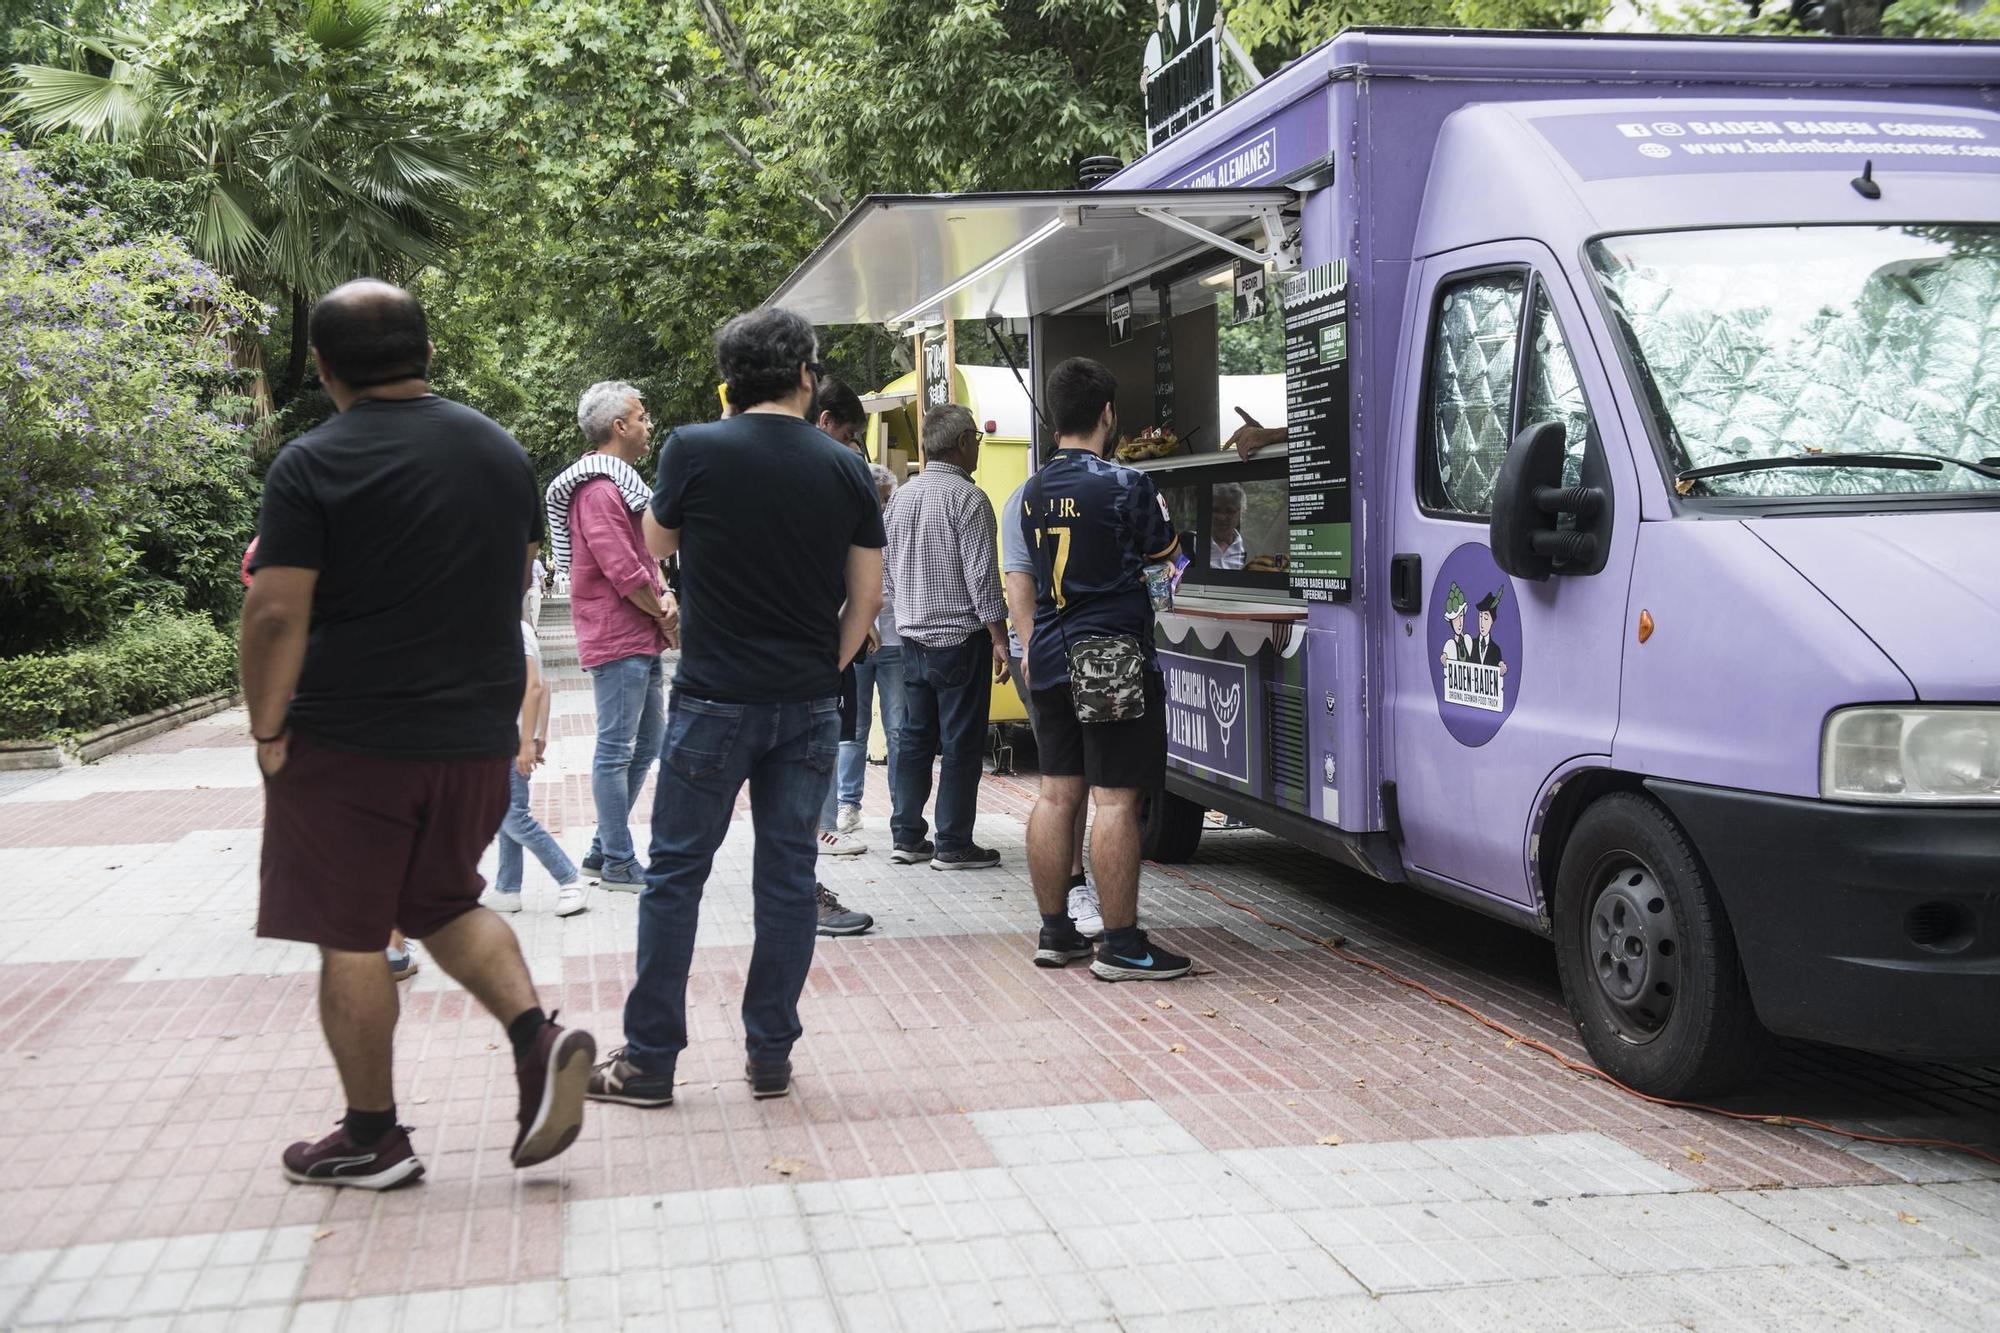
1153 442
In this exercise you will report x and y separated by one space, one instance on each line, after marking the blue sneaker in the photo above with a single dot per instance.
1146 961
627 878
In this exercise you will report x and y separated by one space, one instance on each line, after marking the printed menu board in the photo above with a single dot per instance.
1317 423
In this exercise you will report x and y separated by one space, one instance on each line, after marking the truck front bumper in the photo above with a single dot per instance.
1872 926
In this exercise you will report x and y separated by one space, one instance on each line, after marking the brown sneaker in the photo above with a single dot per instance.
552 1082
339 1160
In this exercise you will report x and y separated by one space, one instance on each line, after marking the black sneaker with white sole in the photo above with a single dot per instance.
1145 962
1059 948
769 1080
593 865
914 855
966 858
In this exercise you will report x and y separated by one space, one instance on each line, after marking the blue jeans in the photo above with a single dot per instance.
947 694
520 829
883 670
786 753
631 715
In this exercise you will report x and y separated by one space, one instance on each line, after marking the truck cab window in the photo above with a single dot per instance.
1468 418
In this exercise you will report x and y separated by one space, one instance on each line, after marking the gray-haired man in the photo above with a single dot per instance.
942 572
624 615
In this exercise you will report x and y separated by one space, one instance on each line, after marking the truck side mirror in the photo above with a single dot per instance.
1527 501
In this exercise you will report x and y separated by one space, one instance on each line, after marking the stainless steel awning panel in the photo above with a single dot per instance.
924 258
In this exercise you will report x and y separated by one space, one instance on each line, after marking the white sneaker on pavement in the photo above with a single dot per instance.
840 844
1083 910
850 819
570 900
497 901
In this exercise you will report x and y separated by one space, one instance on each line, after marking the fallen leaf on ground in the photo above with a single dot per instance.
1360 1082
1907 1218
1177 1048
1291 1103
322 1235
1694 1154
1206 1013
1041 1059
787 1166
1163 1004
420 1101
1328 1140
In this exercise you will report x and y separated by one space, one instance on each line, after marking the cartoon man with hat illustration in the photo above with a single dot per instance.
1458 648
1484 650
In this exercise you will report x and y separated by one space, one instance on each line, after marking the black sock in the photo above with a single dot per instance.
1078 880
1057 921
523 1031
367 1128
1125 939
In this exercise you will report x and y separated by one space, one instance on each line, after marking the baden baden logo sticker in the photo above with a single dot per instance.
1475 645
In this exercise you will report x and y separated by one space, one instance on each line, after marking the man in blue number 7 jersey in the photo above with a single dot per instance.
1092 528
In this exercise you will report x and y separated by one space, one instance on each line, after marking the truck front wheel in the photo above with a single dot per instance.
1169 827
1648 960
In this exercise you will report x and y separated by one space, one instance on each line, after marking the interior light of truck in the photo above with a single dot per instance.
1919 755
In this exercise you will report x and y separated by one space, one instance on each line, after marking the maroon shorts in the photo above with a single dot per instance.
356 843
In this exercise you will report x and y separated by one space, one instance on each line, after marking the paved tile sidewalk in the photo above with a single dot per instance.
1286 1141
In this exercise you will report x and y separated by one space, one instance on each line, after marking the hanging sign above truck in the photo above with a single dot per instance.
1183 74
1316 417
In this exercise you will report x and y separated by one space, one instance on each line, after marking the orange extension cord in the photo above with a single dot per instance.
1567 1062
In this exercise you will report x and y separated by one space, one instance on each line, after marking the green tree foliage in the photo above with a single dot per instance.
310 168
126 475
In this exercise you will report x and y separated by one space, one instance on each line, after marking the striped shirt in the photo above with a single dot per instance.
942 569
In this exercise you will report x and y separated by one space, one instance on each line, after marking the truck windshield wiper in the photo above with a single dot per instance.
1900 461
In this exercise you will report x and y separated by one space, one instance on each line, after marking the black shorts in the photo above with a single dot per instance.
1132 753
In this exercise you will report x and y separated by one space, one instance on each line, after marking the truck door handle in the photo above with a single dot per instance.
1406 583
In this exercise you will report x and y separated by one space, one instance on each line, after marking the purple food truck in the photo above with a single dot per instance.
1623 561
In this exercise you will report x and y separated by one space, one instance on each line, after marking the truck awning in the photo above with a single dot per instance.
917 259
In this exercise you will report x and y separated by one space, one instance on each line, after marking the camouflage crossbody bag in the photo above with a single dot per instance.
1107 672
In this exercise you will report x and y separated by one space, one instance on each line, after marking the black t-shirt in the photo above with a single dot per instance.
418 515
767 508
1092 525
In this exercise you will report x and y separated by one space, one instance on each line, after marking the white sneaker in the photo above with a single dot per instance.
497 901
840 844
570 900
850 819
1083 910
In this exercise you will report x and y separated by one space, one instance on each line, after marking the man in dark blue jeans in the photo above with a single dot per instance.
782 580
943 576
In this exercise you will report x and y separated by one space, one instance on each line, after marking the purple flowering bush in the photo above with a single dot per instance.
125 481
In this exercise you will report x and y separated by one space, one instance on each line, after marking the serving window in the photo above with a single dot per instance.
1189 375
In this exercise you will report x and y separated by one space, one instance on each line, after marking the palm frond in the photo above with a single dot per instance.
227 234
347 25
95 106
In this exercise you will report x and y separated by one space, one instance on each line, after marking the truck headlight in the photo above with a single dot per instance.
1926 756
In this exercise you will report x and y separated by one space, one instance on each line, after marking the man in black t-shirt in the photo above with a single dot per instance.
383 671
1093 527
782 580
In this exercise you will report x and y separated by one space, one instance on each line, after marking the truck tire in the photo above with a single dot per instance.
1647 956
1169 827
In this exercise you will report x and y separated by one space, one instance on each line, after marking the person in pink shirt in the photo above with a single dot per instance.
623 613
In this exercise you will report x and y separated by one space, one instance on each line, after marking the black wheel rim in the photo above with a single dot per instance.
1632 944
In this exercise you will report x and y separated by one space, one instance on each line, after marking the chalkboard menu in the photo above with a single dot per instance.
1316 421
937 372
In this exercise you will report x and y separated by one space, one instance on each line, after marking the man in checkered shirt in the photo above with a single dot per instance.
942 573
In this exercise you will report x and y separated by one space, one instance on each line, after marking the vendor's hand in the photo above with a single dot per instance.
1250 437
271 755
1000 673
